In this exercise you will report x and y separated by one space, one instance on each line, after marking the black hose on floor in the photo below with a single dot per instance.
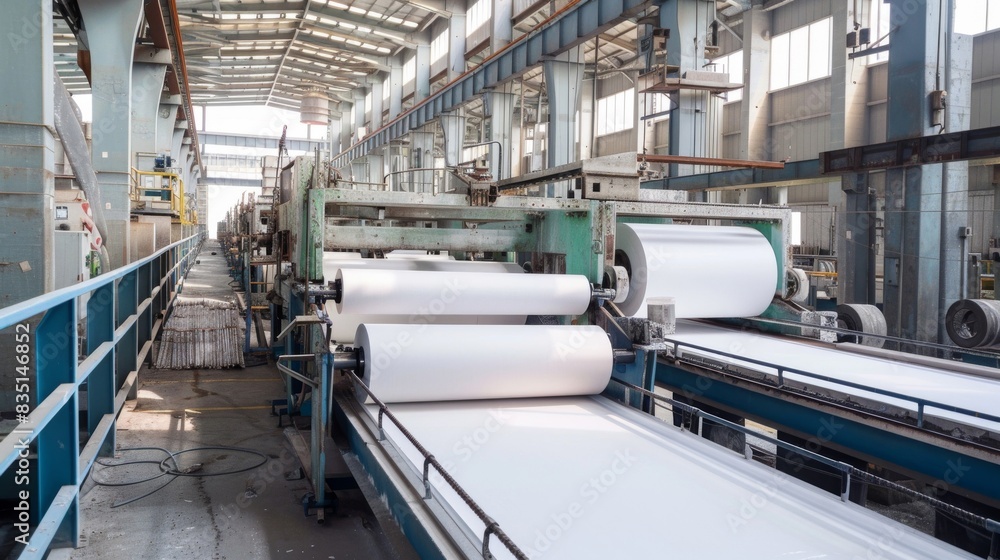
174 472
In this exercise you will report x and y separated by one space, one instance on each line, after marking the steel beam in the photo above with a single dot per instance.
795 173
266 142
573 27
438 239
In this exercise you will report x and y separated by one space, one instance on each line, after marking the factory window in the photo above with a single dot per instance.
439 47
880 26
731 64
615 113
976 16
409 73
478 15
801 55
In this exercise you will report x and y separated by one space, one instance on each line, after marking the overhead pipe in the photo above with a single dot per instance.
70 131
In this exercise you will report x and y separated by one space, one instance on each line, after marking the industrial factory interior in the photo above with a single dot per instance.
499 279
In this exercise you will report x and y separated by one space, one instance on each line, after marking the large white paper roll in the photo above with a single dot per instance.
345 325
420 363
333 261
378 292
710 271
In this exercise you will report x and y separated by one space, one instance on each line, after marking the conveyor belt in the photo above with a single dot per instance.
977 394
583 477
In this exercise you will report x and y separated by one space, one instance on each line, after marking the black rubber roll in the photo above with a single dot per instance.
863 318
974 323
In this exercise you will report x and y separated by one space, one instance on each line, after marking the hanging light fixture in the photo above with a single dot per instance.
315 107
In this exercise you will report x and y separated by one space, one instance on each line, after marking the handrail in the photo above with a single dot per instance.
29 308
782 370
492 527
125 310
846 470
885 337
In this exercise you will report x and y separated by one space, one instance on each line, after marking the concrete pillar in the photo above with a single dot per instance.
112 26
456 38
503 31
395 86
165 120
177 140
856 244
336 132
453 127
147 86
423 80
27 151
377 85
421 155
688 23
499 109
923 203
563 80
755 139
359 112
359 171
376 167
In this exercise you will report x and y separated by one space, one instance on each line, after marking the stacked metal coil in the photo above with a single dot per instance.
974 323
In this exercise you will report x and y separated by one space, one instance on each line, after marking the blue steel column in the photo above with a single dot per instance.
58 443
111 27
921 263
26 151
563 81
688 22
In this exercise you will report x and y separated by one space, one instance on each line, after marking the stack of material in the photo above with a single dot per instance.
202 334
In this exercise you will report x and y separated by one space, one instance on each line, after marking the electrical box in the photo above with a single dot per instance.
939 102
73 255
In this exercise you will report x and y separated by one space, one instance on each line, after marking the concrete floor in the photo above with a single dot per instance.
256 514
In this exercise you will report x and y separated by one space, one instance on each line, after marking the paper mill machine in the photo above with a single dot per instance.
516 415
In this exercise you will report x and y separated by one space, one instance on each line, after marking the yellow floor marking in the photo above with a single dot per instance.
206 409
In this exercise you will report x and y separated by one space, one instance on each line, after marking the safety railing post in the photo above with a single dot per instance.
58 443
127 347
101 383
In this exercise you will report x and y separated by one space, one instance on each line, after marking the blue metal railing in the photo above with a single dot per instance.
125 310
921 403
